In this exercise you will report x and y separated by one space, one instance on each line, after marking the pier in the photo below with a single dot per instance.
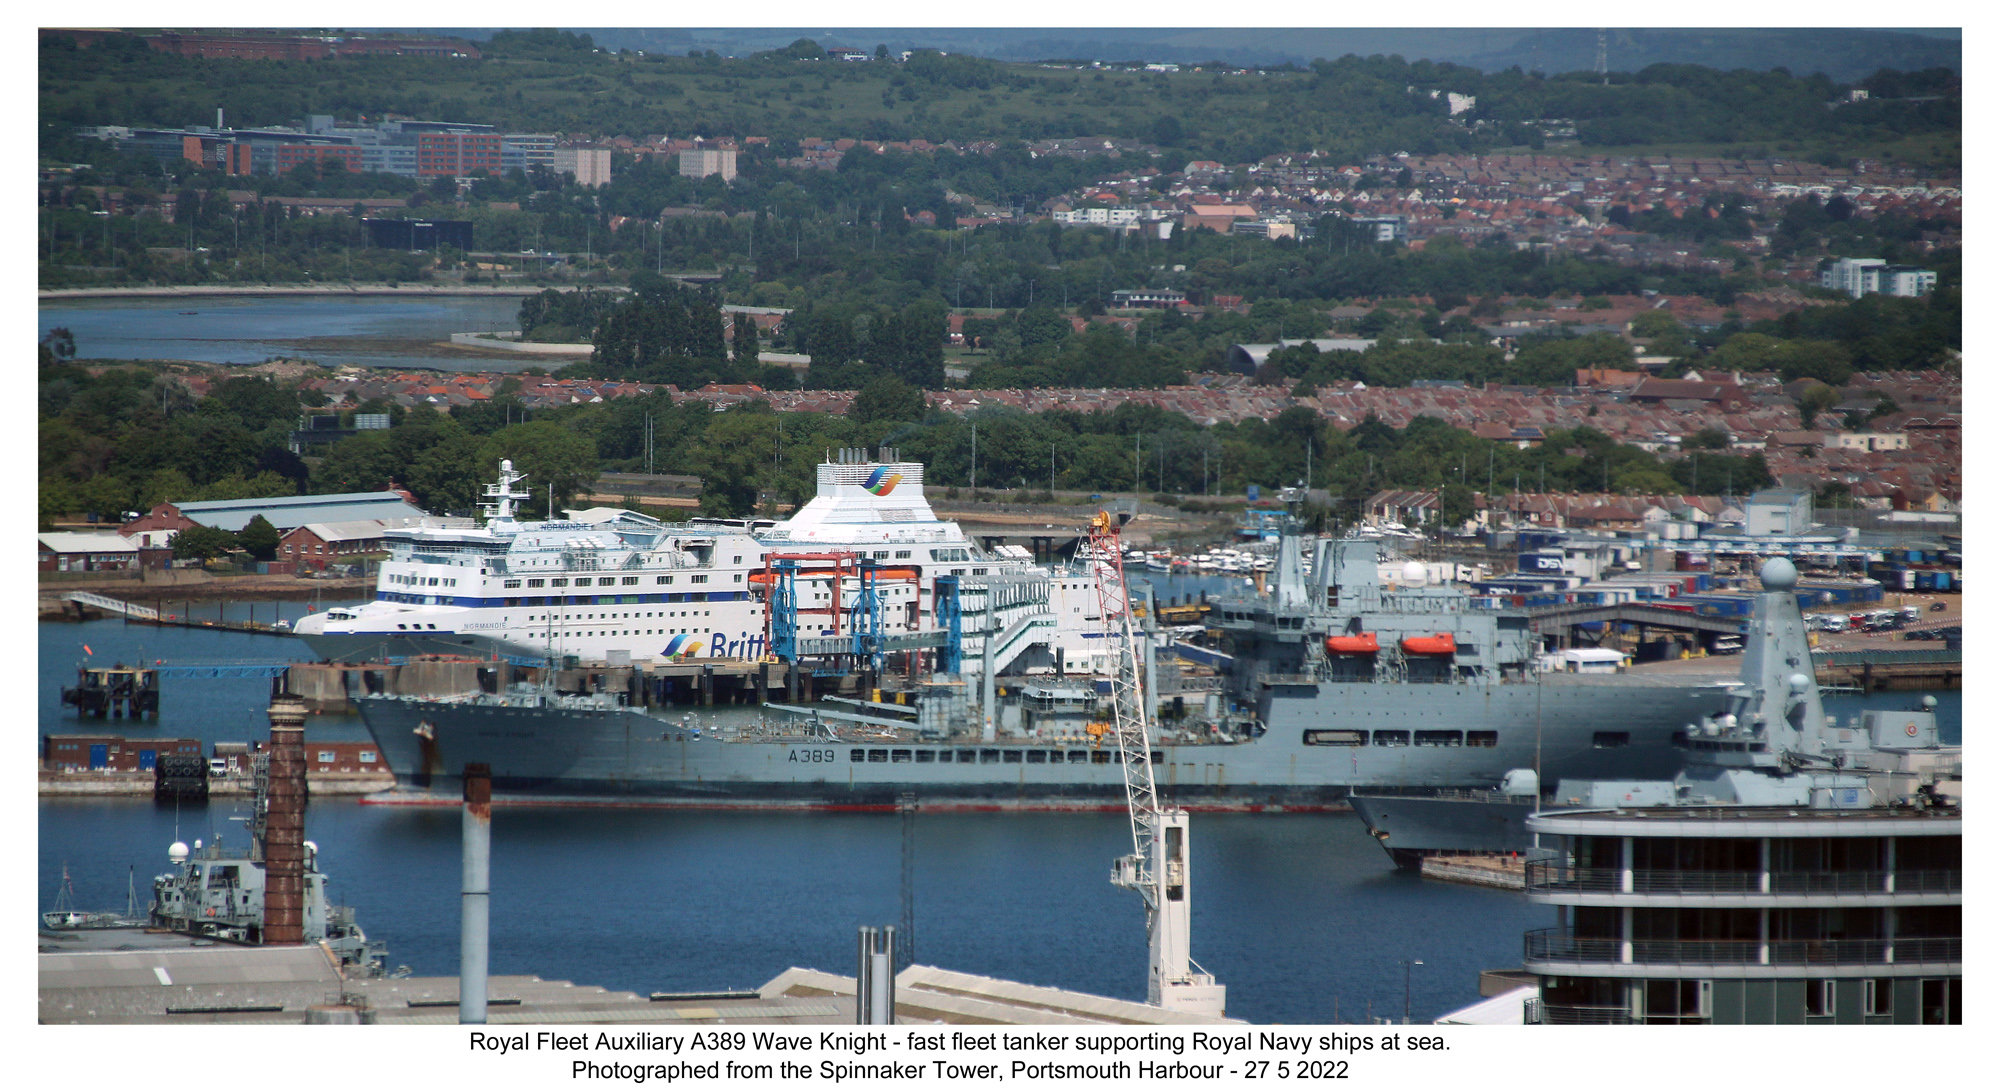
80 601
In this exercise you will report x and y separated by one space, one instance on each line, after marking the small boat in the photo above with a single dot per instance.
1435 644
1364 644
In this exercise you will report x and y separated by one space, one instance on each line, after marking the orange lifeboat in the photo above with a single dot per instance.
1365 644
1435 644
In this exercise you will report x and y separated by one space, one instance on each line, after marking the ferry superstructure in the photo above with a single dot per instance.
611 585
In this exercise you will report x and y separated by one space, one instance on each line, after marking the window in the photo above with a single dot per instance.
534 583
857 755
899 755
510 583
628 581
1878 996
1330 737
1439 738
665 579
606 581
366 757
967 757
1010 757
902 554
1392 738
878 755
697 579
326 757
1610 740
1482 738
1819 997
926 756
1037 757
989 757
559 581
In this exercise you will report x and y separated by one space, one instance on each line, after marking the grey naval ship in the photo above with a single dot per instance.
1336 678
1770 744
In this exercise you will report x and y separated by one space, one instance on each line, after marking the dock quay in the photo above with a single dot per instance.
1507 871
1882 669
79 983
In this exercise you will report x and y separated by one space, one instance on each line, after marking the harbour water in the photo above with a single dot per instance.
372 331
1296 914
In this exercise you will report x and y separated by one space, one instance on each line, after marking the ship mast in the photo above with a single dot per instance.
1158 865
501 495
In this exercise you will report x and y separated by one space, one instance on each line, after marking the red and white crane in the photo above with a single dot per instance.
1158 865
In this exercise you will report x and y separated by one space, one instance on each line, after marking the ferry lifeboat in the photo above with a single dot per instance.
1435 644
1365 644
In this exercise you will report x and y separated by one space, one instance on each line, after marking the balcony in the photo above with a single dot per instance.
1575 1015
1546 945
1556 877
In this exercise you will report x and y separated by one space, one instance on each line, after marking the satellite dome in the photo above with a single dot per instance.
1413 572
1778 575
1521 782
177 852
1799 683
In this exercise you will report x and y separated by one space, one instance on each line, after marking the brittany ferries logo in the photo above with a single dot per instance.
680 647
882 482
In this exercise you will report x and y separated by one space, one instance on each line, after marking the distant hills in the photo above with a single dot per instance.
1842 54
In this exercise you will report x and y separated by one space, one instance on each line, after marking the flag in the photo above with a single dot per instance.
87 651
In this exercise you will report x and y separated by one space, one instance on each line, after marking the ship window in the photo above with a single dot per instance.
899 755
1329 737
666 579
1011 757
559 581
628 581
1037 757
1159 757
1100 757
697 579
510 583
1439 738
878 755
902 554
857 754
1482 738
926 756
1079 757
989 757
1610 740
534 583
606 581
1392 738
966 757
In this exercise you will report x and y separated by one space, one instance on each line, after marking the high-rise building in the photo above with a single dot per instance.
702 162
589 166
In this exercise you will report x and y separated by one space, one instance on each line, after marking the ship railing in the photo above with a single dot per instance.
1553 945
1557 877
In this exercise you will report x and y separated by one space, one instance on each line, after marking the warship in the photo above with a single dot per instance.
1334 680
1770 744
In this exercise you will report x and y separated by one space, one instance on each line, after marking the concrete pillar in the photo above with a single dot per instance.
763 681
707 686
474 893
1625 865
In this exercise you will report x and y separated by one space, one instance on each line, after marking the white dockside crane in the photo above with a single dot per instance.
1158 865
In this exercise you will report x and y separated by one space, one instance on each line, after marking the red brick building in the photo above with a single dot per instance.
113 753
316 545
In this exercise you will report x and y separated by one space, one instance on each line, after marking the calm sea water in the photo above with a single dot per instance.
253 330
1300 915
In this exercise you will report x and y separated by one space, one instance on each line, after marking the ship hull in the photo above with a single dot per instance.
625 753
1411 827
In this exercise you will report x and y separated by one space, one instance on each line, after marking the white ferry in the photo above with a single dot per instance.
611 585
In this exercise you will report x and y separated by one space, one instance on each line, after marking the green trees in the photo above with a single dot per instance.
200 543
258 538
888 398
